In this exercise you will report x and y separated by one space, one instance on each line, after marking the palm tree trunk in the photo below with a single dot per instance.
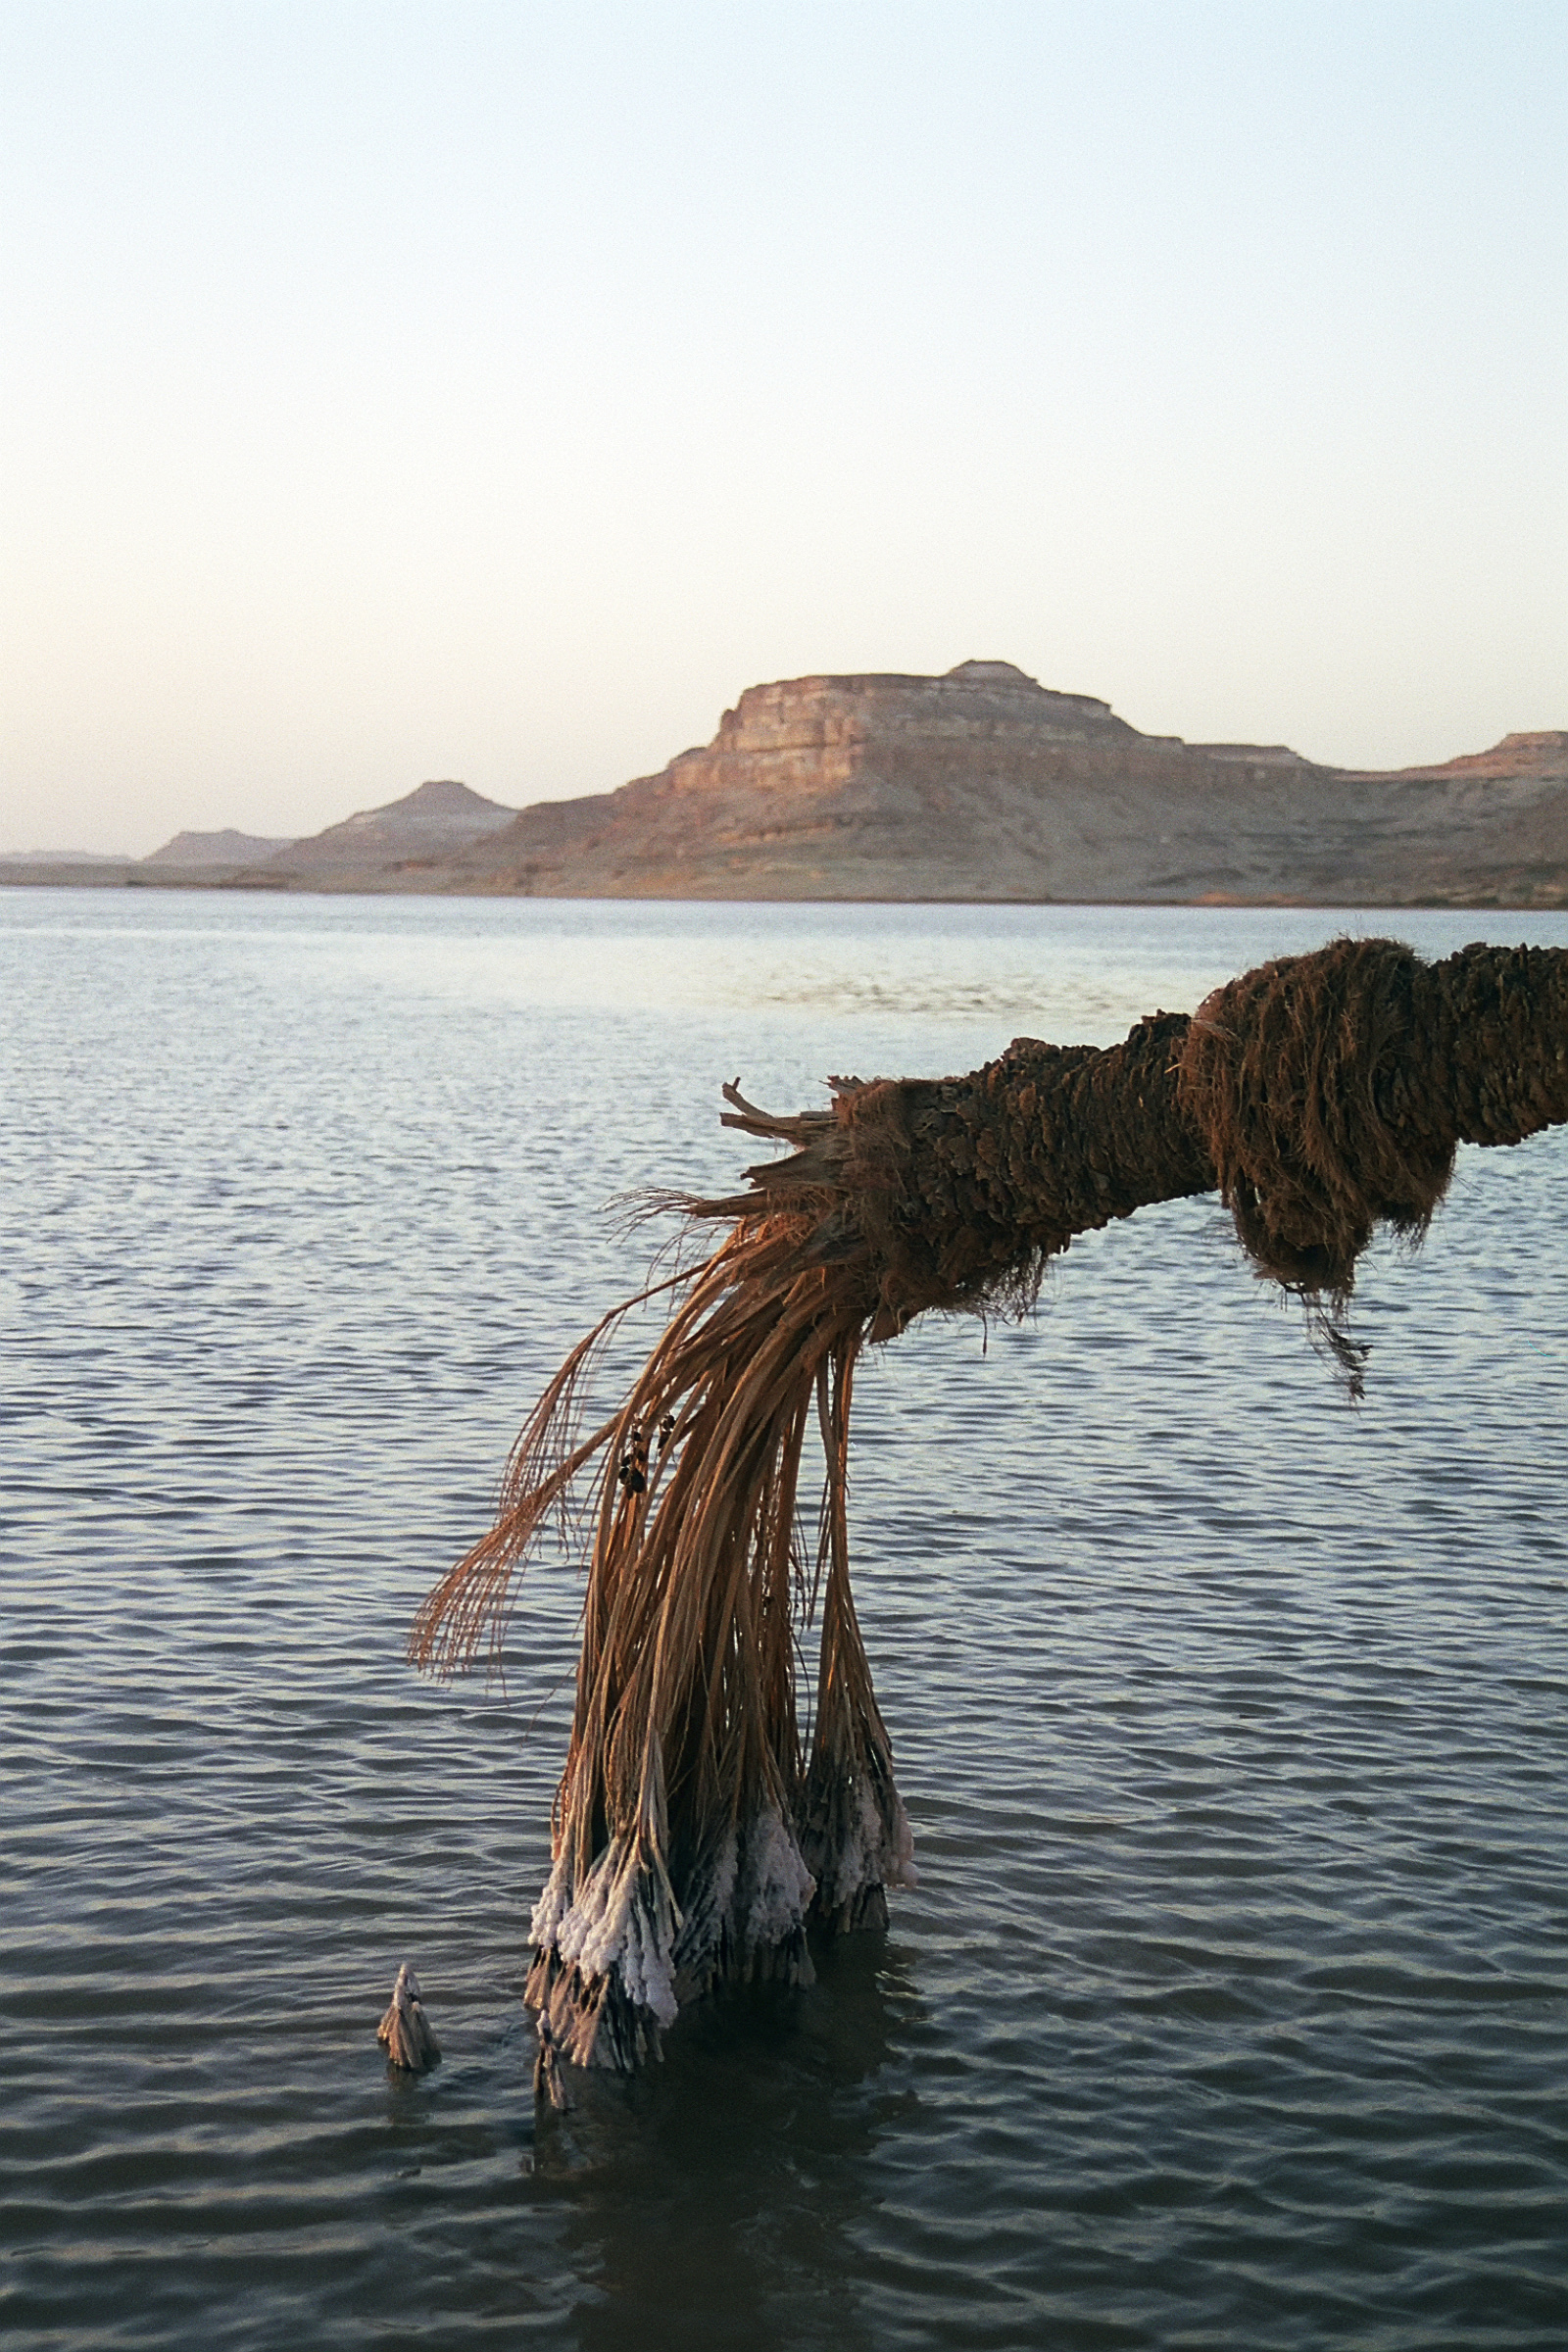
699 1831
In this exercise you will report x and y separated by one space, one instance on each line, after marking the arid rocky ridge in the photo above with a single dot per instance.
368 851
983 784
978 785
436 822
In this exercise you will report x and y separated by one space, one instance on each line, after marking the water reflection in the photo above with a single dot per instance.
719 2200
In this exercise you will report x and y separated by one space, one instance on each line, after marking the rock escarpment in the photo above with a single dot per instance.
983 784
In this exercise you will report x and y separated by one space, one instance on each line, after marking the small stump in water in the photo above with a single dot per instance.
405 2030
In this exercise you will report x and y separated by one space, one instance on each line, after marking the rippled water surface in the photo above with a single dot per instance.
1231 2009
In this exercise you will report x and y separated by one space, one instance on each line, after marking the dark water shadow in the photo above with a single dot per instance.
715 2199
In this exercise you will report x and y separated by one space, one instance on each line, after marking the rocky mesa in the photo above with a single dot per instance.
983 784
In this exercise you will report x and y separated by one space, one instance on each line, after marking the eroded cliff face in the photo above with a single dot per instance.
979 785
983 784
978 702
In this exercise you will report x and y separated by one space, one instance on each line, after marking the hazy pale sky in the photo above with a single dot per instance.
495 391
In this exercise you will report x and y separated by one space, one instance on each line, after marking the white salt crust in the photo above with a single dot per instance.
759 1890
876 1850
621 1918
555 1901
776 1885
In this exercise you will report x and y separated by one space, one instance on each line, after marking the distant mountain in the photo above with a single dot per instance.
981 784
984 785
433 823
63 858
227 848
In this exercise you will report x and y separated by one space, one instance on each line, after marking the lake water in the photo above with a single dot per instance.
1231 2010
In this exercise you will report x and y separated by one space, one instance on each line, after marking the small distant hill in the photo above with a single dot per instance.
433 824
64 857
225 848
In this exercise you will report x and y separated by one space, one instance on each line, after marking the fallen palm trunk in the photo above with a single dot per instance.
698 1831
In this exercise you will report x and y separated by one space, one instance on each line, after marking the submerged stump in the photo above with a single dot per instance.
405 2029
700 1829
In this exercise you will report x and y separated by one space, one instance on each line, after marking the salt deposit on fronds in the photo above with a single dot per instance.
862 1844
772 1897
746 1909
622 1918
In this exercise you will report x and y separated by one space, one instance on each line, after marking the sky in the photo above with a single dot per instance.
495 391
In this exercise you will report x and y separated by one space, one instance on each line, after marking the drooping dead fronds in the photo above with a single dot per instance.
470 1605
700 1827
687 1797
